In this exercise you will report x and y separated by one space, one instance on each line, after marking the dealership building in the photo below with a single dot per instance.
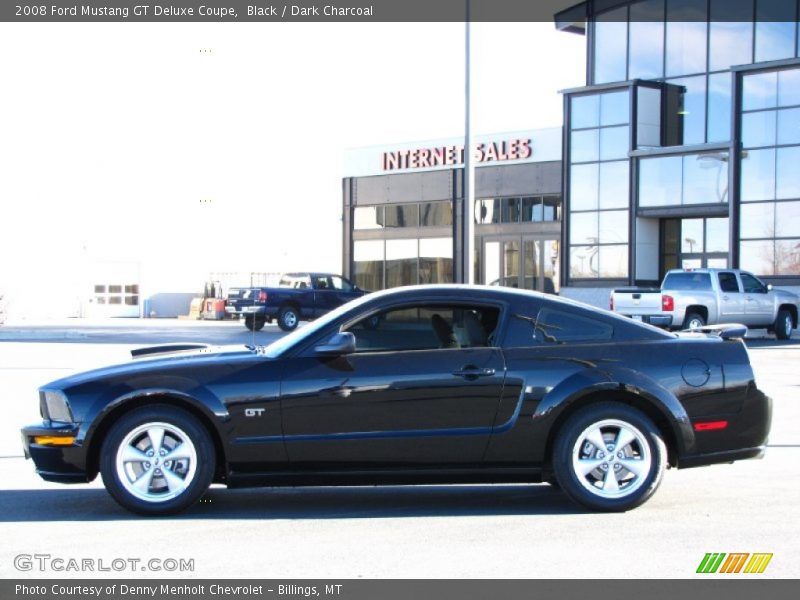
681 151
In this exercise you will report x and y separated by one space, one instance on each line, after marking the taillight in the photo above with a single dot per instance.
262 296
667 303
611 302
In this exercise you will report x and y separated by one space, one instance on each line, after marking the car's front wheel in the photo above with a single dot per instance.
609 457
157 460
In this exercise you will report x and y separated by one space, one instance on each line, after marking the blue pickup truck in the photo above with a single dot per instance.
299 296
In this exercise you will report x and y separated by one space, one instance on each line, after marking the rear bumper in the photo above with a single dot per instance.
61 464
657 320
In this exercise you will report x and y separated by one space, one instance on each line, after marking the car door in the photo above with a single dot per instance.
731 299
758 303
411 395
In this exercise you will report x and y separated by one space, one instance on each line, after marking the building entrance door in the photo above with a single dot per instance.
521 262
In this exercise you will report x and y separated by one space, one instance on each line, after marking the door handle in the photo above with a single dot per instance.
725 298
473 372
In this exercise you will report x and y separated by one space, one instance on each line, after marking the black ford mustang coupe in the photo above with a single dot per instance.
429 384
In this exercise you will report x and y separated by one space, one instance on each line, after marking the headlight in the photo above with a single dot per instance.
55 406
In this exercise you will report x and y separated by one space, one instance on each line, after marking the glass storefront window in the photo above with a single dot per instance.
719 107
789 87
435 214
401 262
788 126
787 257
402 215
487 210
583 262
613 226
368 217
758 129
787 184
583 228
758 175
610 46
510 210
717 235
646 40
757 257
614 108
368 264
614 185
614 142
613 262
775 29
787 219
705 179
583 186
436 260
730 34
585 111
551 208
584 146
660 181
687 32
760 91
692 236
757 220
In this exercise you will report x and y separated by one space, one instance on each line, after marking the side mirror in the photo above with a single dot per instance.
339 344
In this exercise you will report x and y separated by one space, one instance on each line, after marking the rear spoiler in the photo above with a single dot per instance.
726 331
166 349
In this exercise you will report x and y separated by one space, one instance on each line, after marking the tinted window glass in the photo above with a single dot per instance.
402 215
558 327
719 107
687 281
426 327
752 285
728 283
610 46
646 40
435 214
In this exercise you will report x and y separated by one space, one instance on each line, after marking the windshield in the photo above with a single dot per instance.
281 346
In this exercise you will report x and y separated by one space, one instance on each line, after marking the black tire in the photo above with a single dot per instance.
288 318
162 495
594 489
694 320
254 323
783 325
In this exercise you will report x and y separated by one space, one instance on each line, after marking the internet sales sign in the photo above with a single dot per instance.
421 158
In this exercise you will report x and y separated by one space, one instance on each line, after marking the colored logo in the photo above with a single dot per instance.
735 562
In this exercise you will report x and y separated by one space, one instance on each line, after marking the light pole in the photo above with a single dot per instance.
468 228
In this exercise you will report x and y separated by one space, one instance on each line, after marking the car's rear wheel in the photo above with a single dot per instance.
694 321
783 325
609 457
157 460
288 318
254 323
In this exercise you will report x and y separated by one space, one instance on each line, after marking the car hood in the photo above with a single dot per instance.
163 358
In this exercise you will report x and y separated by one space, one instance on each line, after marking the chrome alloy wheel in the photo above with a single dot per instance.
611 458
787 326
290 319
156 462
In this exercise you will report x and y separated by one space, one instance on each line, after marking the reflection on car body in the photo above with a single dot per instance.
427 384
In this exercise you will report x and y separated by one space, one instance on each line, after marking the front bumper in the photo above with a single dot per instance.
55 462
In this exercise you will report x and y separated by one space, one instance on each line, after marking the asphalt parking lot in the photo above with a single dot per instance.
478 531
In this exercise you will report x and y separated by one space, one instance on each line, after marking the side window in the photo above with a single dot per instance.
338 283
752 285
554 326
322 283
426 327
728 283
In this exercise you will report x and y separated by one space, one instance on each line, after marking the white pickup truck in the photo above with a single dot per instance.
692 299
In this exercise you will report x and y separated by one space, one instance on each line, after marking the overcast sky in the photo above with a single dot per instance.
182 149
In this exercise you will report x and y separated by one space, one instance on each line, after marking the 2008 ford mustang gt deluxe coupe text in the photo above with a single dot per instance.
429 384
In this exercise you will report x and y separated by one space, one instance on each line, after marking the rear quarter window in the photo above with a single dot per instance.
555 326
687 281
